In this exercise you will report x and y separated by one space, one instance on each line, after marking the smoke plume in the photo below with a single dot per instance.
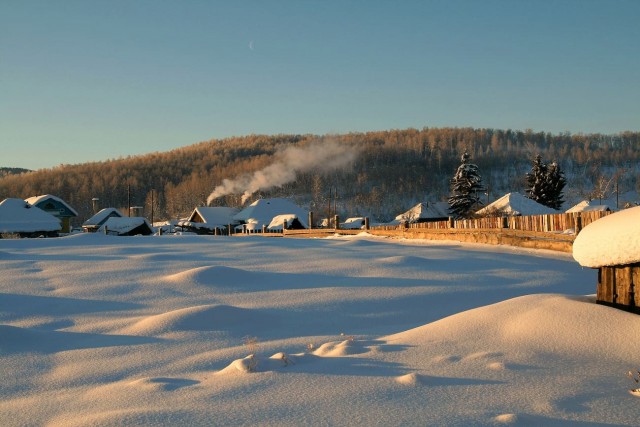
323 157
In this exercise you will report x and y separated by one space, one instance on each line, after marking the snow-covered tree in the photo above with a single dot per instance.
556 182
545 183
536 181
466 184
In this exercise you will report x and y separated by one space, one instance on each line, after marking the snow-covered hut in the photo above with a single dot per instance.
589 206
21 218
515 204
423 212
262 211
612 245
292 223
353 223
206 220
56 207
95 222
127 226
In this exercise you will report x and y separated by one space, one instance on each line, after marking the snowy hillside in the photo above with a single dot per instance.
103 330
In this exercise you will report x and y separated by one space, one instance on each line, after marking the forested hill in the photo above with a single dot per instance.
12 171
392 170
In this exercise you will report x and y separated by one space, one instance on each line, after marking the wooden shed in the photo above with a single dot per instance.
619 286
56 207
209 220
612 245
94 223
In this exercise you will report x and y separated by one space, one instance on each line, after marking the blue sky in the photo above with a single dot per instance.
93 80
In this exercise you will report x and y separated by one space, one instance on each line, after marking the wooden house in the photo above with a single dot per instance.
19 218
56 207
288 222
589 206
126 226
612 245
423 212
209 220
261 212
94 223
515 204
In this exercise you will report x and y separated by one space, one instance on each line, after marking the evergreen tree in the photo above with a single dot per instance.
465 186
556 182
545 183
537 183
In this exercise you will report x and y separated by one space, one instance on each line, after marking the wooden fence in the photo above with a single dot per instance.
553 232
552 223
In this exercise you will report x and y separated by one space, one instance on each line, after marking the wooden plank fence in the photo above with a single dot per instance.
553 232
552 223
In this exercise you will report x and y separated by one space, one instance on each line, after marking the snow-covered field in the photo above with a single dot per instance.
102 330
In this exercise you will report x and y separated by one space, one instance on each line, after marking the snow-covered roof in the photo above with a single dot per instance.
516 204
278 221
45 197
354 223
218 216
589 205
100 217
124 225
262 211
423 211
18 216
612 240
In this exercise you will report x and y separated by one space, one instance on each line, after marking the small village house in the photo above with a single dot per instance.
126 226
209 220
56 207
261 212
612 245
94 223
589 206
423 212
19 218
515 204
288 222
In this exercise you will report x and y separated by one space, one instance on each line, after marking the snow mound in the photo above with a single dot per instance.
506 419
216 275
540 323
254 363
338 349
200 318
411 379
612 240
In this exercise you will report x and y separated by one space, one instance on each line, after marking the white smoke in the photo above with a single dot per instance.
323 157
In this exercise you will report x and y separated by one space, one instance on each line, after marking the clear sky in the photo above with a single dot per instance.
85 80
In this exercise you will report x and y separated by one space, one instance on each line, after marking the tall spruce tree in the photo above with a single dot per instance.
536 180
545 183
466 184
556 182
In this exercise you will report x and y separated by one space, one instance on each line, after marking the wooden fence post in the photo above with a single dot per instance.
578 223
366 223
336 221
310 220
451 223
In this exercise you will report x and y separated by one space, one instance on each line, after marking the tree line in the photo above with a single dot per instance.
394 170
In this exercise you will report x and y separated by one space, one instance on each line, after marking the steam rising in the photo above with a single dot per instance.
293 160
